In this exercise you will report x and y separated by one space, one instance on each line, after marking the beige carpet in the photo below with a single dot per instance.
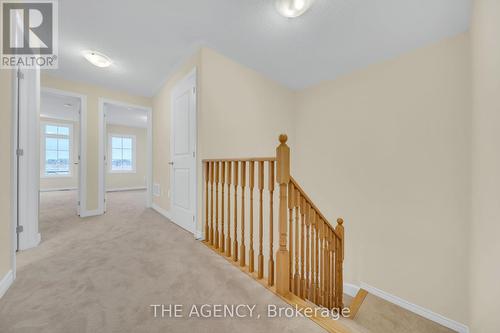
101 274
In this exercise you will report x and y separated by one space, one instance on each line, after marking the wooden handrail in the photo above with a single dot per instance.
309 258
308 200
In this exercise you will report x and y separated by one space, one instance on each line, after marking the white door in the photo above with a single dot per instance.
183 153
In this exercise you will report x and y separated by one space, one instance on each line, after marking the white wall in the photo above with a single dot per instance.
388 148
48 183
485 246
129 180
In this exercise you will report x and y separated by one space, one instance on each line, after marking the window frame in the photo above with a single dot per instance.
110 152
44 136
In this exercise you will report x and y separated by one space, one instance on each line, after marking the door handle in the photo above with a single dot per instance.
171 163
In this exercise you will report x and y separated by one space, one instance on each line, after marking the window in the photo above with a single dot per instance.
122 149
56 144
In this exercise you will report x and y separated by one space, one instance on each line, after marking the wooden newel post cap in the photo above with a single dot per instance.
283 138
340 221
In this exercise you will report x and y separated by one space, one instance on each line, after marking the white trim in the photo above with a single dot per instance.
6 282
198 235
88 213
13 173
59 189
417 309
134 152
122 189
82 163
71 150
102 130
351 289
161 211
29 162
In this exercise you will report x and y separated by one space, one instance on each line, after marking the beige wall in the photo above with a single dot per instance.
161 129
137 179
485 245
51 183
93 94
388 148
5 172
240 113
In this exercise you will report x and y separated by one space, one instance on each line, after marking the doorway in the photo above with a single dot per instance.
60 159
125 144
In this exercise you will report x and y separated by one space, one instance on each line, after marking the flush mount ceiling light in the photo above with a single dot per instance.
96 58
293 8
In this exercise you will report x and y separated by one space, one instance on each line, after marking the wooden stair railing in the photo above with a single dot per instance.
310 255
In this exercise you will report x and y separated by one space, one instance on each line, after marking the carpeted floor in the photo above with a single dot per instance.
101 274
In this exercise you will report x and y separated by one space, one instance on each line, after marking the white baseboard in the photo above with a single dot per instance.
423 312
59 189
6 282
198 235
160 210
351 289
89 213
126 189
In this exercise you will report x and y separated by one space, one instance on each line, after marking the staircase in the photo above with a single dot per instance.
307 268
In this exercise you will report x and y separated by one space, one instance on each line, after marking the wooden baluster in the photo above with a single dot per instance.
222 238
216 232
319 285
260 268
283 254
251 184
308 251
228 181
291 198
207 176
322 263
243 184
317 257
270 275
296 202
211 203
330 268
335 277
340 254
302 248
314 255
235 227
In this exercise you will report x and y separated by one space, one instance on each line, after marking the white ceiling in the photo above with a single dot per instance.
125 116
53 106
147 39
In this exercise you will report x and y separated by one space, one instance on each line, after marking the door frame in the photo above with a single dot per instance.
82 143
102 150
190 78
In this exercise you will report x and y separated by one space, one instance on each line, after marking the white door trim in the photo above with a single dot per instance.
101 150
82 142
190 77
28 179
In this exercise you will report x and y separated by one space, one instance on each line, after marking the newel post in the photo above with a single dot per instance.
283 178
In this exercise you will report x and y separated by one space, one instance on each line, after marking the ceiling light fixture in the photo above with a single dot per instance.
97 59
293 8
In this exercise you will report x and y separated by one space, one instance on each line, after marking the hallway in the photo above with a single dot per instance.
101 274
